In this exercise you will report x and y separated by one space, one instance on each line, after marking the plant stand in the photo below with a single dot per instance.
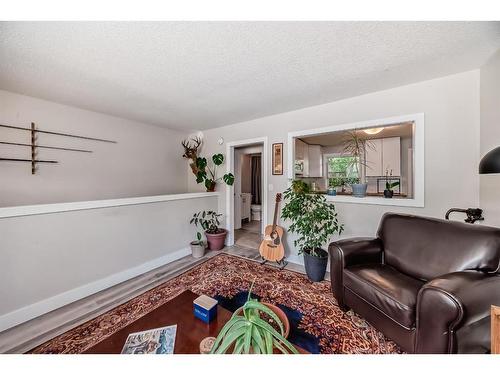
281 263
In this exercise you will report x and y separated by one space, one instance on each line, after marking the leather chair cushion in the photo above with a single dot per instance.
426 248
387 289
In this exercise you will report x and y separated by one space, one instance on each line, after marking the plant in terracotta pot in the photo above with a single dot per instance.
255 328
208 173
209 221
314 221
355 145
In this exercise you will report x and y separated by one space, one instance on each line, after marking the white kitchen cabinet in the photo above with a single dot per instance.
302 155
384 155
315 161
373 158
391 156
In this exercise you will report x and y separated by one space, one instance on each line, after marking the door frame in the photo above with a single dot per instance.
230 146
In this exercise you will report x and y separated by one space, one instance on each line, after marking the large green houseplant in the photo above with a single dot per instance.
250 330
314 221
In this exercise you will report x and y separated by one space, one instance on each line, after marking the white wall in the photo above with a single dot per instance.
451 108
490 137
52 259
146 160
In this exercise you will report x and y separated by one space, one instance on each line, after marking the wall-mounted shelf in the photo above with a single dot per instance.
34 146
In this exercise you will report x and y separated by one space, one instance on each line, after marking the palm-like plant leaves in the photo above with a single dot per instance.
250 333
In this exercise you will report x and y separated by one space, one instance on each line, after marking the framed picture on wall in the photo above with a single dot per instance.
277 158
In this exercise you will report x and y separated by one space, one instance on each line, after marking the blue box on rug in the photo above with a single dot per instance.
205 308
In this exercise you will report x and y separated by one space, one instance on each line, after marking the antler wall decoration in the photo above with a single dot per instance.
191 152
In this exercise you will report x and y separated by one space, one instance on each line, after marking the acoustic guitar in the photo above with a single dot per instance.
271 248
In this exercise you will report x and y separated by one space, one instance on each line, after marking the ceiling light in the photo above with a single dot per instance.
373 131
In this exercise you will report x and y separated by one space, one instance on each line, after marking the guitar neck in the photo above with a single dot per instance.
275 220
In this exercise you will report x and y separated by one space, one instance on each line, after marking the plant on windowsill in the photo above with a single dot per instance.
389 186
209 221
314 221
355 146
252 330
208 173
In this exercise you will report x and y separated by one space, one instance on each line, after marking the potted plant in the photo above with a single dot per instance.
314 220
355 146
389 186
208 174
197 246
252 329
210 221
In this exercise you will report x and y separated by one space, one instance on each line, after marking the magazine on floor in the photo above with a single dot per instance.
154 341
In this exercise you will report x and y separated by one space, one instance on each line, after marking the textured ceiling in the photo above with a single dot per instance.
200 75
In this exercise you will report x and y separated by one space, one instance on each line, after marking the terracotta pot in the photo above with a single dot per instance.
210 186
281 315
216 240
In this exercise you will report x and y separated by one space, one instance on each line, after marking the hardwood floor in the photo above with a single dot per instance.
28 335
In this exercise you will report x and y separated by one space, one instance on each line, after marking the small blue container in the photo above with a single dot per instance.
205 308
331 191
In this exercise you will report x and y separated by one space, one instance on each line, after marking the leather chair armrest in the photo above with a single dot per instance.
449 302
357 250
349 252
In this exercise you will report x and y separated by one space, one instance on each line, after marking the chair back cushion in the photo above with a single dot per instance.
426 248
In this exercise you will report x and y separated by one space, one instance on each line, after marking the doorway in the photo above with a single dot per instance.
246 200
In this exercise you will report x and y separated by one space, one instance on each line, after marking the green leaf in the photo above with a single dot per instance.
200 176
260 307
257 338
230 324
273 332
228 179
231 337
201 163
218 159
269 342
248 340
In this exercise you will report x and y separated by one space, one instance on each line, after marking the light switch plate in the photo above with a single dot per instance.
271 187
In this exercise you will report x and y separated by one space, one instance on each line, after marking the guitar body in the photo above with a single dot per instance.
272 248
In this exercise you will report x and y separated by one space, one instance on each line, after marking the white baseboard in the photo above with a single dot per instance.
29 312
294 258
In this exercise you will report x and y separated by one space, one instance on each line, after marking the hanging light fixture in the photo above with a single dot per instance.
373 131
490 163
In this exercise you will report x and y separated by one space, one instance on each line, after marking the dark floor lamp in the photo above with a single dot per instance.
490 163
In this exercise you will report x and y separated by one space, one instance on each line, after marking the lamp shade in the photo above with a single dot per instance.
490 163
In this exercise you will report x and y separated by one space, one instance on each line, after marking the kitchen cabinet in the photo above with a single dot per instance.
310 158
385 154
302 157
315 161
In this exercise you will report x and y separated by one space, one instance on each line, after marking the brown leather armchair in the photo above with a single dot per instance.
427 284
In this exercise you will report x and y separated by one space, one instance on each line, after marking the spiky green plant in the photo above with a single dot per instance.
249 333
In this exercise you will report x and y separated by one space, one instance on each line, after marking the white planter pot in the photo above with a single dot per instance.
197 250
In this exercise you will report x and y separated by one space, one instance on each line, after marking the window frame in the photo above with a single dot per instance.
418 119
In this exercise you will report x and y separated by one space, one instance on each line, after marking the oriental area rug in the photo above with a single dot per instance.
317 323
